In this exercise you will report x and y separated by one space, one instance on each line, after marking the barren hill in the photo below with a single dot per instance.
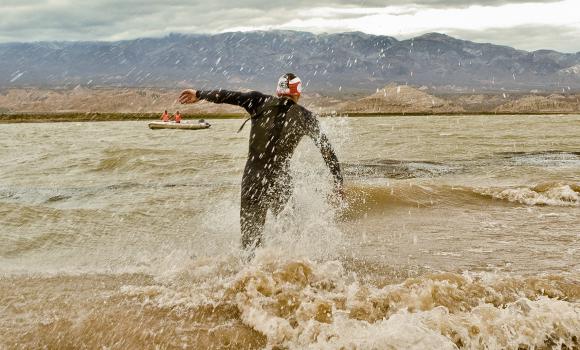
554 103
123 100
102 100
400 99
391 99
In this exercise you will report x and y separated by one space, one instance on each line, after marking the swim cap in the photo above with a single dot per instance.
289 85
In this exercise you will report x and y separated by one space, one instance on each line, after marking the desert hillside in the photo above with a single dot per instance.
400 99
392 99
79 100
554 103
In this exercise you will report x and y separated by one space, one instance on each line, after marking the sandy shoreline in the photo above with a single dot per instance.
99 117
121 104
104 117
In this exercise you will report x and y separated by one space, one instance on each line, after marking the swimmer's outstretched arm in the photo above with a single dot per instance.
321 141
330 159
248 100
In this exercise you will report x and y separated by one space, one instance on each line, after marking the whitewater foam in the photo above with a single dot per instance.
298 303
553 195
548 159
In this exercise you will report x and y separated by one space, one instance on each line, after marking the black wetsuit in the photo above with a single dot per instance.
278 125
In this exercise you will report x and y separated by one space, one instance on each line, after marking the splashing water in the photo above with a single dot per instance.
131 239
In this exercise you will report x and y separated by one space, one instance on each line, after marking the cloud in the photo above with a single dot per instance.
552 37
41 20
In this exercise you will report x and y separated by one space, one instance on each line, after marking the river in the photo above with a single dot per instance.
456 232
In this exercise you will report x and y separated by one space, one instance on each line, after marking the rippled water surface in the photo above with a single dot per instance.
457 232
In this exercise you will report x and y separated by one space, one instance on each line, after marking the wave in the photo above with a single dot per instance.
549 194
544 159
37 195
293 303
48 196
359 197
128 159
399 169
373 198
410 169
363 199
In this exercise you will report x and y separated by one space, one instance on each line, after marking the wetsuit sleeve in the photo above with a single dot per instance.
248 100
312 127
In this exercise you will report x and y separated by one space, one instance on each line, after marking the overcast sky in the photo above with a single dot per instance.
524 24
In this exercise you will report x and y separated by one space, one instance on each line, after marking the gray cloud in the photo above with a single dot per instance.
34 20
526 37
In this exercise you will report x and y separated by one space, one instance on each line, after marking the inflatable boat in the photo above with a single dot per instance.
183 125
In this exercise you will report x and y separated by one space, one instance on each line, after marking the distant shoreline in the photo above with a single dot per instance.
17 118
115 104
14 118
468 113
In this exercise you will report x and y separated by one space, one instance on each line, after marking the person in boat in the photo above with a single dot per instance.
165 116
177 117
278 123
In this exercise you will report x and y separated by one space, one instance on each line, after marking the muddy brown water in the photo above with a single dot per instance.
457 232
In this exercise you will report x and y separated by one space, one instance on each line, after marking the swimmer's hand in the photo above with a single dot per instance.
188 96
339 191
338 195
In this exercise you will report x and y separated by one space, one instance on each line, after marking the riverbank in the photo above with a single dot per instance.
100 117
108 104
107 117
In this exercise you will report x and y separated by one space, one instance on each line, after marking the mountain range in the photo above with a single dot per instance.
328 63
